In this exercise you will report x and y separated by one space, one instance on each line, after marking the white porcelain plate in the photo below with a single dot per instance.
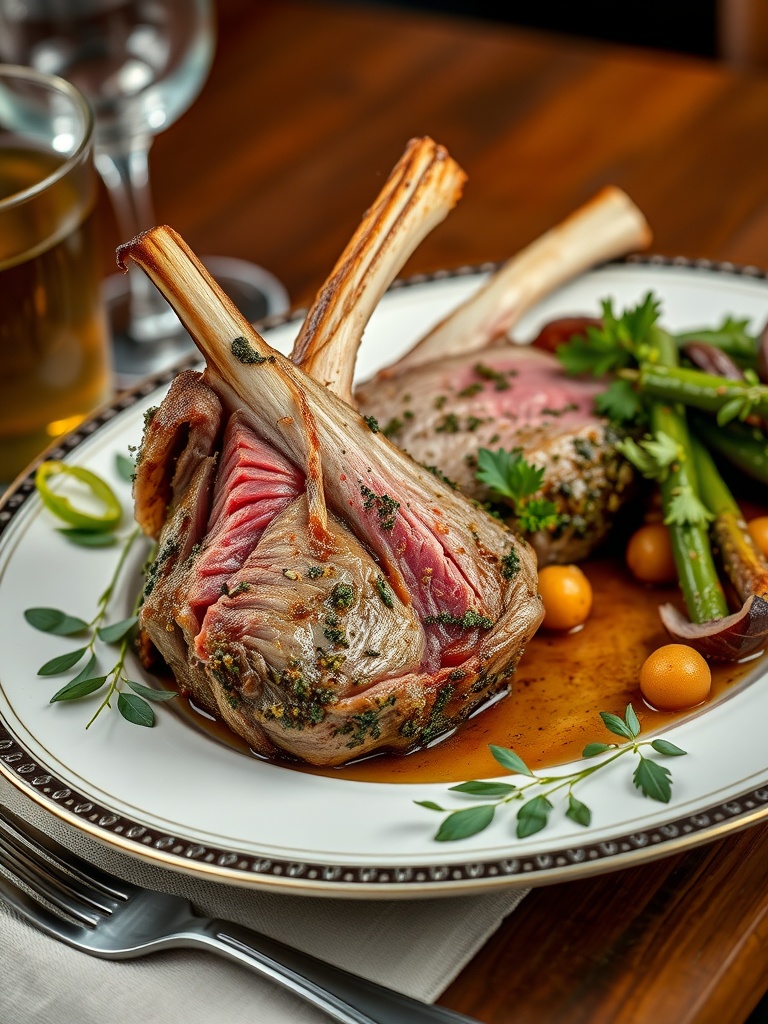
173 795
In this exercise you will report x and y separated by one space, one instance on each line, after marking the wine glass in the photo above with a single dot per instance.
141 64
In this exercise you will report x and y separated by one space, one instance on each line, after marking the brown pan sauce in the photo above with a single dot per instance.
562 683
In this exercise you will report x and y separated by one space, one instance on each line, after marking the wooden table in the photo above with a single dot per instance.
307 109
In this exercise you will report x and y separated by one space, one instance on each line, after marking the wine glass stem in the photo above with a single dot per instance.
125 173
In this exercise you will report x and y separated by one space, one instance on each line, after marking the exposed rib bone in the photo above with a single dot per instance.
307 423
443 597
608 226
423 187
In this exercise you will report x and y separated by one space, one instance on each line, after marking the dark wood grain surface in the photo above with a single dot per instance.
307 109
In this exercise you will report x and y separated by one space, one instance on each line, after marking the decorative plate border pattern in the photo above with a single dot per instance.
34 779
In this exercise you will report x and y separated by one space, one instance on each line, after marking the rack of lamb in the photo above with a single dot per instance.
314 587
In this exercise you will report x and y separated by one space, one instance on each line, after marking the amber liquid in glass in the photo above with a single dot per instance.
54 366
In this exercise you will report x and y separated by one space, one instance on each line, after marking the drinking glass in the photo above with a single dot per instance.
54 344
141 64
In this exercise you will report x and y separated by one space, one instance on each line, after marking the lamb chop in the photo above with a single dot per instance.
314 587
464 387
514 398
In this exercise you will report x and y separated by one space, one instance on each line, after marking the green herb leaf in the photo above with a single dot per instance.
621 340
135 710
537 514
52 620
732 409
620 403
62 662
510 760
150 694
653 779
87 671
533 816
430 805
508 474
510 478
632 721
77 688
653 456
464 823
125 466
87 538
578 811
116 631
485 788
685 508
593 749
650 777
665 747
616 725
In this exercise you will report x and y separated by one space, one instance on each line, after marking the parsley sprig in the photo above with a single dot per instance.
514 481
532 798
628 338
621 341
656 456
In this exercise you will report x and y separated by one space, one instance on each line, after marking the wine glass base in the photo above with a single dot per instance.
255 292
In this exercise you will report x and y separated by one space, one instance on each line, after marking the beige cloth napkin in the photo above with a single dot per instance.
414 946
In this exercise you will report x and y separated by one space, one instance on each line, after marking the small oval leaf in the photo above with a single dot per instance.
88 538
62 662
53 620
593 749
632 721
125 466
467 822
149 693
87 671
533 816
485 788
510 760
117 630
77 688
670 749
615 725
135 710
578 811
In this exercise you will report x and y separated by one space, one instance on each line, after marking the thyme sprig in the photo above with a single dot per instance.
98 631
654 780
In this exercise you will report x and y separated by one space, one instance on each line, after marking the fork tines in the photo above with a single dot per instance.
45 867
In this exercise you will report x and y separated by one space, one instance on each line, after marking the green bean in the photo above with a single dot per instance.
745 447
727 399
699 582
741 559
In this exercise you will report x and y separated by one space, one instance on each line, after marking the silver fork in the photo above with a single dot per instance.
106 917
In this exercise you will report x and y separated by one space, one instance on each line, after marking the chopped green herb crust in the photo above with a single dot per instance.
385 592
342 596
245 353
386 507
469 620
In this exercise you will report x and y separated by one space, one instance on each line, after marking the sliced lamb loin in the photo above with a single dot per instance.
323 594
464 386
511 397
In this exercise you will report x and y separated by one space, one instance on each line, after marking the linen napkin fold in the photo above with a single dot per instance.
416 946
